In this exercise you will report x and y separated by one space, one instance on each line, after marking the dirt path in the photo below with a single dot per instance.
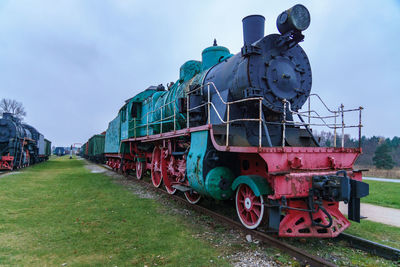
382 179
377 213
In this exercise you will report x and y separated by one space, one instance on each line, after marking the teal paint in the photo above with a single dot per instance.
189 69
167 103
208 184
113 136
258 184
142 96
191 76
217 177
194 163
213 55
124 122
148 107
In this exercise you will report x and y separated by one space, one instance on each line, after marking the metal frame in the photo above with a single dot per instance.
336 114
310 114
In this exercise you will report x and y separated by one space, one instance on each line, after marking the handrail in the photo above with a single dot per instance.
310 114
228 104
337 114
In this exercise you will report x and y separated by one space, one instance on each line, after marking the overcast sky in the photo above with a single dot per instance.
73 63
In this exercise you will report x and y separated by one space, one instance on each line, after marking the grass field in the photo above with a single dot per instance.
59 213
381 233
383 194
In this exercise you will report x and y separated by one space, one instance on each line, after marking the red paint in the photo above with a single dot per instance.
309 158
298 223
289 172
192 197
6 163
172 168
139 169
252 164
249 207
156 167
295 184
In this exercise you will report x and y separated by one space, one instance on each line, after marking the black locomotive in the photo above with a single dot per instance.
21 145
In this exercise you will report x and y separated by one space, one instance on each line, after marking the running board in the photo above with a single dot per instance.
182 188
178 153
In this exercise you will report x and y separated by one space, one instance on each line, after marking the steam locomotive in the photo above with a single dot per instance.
21 145
231 128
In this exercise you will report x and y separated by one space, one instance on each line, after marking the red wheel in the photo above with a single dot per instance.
165 160
170 190
139 169
249 207
192 196
156 167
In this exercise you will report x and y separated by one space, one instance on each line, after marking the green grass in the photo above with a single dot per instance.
385 194
58 212
381 233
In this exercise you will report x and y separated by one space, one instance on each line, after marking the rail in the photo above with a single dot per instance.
372 247
161 121
338 116
228 104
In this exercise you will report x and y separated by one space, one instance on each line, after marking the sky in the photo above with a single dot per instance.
72 63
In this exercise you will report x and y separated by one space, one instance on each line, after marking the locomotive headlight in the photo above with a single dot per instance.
296 18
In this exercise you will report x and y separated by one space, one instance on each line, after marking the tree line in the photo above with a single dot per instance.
378 151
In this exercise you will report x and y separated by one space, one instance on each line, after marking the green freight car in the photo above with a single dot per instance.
83 152
47 148
96 148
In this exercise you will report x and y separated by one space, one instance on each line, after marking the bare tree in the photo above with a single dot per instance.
12 106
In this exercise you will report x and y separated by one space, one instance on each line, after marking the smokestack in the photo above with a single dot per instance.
253 28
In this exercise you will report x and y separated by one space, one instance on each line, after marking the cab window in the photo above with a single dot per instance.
135 110
123 114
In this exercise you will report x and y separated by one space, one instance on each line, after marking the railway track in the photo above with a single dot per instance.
301 255
371 247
